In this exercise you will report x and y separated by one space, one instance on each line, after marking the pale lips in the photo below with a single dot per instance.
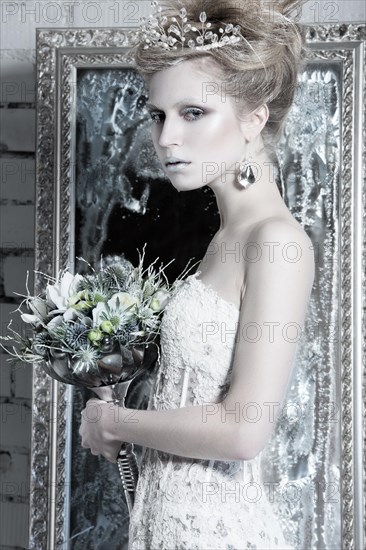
174 164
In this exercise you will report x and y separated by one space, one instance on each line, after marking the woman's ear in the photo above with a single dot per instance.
253 123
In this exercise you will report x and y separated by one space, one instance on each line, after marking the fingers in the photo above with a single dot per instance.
110 457
92 434
110 453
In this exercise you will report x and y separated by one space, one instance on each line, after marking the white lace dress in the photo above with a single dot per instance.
184 503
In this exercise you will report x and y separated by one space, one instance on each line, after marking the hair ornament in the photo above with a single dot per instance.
153 33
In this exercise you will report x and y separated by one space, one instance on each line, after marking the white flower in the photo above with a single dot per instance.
70 314
39 309
27 318
159 300
55 322
119 309
58 294
124 301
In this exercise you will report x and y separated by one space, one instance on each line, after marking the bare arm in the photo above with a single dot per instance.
197 431
274 306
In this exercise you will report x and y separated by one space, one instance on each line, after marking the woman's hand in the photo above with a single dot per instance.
98 428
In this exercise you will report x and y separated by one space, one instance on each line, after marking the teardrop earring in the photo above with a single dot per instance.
246 176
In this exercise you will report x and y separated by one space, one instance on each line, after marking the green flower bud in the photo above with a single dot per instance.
83 305
95 335
76 298
159 300
106 326
155 304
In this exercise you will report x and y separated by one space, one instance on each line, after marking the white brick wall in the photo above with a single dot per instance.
15 272
14 525
18 21
5 377
17 179
15 415
17 182
14 233
16 122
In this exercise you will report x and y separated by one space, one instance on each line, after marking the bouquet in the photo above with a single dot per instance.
86 317
98 330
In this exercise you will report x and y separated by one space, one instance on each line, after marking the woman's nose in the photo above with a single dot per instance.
170 133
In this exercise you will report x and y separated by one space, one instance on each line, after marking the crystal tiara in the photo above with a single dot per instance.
153 34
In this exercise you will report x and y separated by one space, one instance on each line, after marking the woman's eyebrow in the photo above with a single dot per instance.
184 100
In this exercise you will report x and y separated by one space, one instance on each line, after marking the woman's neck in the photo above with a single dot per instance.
239 207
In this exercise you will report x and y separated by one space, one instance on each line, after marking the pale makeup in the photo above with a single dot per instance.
194 125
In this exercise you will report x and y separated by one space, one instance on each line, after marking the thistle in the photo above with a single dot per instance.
76 336
41 343
117 275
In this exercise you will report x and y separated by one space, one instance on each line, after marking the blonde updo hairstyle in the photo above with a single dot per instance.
262 69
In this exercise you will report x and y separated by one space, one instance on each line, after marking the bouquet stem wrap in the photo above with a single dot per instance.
126 459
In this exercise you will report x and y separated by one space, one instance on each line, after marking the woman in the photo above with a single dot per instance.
229 332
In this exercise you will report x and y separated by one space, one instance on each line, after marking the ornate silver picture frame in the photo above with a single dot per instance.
334 193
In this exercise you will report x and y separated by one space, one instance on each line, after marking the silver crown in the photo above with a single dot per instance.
153 33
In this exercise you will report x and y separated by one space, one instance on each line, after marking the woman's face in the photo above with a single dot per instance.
194 122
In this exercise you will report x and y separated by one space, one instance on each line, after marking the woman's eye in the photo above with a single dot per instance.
156 116
192 114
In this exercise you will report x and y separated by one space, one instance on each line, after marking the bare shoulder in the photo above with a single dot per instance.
283 244
285 232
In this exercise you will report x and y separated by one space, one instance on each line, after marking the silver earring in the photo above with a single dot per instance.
246 176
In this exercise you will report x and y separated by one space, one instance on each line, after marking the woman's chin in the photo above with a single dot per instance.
181 185
181 181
